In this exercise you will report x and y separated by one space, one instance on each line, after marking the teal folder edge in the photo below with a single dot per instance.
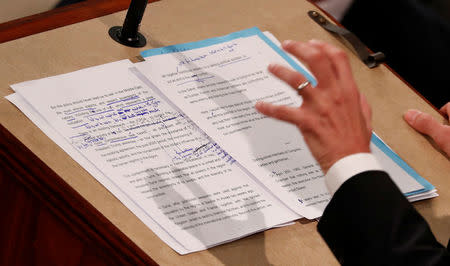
389 152
256 31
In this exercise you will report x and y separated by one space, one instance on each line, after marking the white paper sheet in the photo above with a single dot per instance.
40 122
155 155
218 90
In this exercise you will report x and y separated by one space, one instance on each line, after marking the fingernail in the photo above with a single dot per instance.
287 43
410 115
314 41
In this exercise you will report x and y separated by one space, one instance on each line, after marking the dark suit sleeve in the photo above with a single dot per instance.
370 222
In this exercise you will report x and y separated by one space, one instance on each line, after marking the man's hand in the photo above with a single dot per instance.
426 124
333 118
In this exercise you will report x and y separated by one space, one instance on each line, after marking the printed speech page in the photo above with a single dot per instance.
217 87
195 191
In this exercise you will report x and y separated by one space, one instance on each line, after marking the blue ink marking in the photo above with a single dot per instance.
209 148
229 47
151 124
89 126
93 139
232 36
189 60
124 100
390 153
301 201
193 152
99 113
87 109
81 135
143 102
201 80
213 147
137 108
118 140
80 125
68 120
237 61
183 153
168 119
110 115
198 44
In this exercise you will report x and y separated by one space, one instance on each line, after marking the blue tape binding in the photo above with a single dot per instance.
383 147
235 35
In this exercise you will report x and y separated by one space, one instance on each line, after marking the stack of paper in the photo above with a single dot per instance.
176 138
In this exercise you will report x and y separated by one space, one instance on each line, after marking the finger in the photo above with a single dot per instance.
317 61
280 112
340 63
291 77
367 112
445 110
425 123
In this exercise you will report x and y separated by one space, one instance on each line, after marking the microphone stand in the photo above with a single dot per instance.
128 34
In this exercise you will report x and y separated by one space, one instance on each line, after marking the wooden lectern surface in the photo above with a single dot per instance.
175 21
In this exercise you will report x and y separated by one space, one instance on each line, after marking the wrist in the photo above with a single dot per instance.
327 162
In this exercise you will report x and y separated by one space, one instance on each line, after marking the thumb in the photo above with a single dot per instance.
445 110
426 124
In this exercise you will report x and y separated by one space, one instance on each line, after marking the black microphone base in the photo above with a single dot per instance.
115 33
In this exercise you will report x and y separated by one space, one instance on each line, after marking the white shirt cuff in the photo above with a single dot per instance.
349 166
